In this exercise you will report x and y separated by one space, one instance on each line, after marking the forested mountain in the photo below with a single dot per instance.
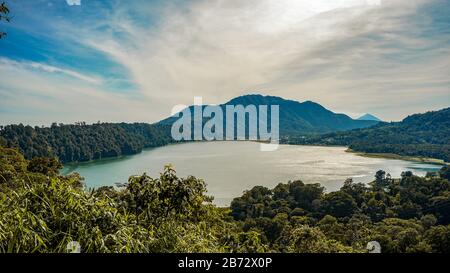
82 142
303 117
424 135
296 118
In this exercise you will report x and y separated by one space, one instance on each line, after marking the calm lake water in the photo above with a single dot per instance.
229 168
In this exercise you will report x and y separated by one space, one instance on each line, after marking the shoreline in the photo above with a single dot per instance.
417 159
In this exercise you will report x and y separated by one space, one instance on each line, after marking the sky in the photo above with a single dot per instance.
109 60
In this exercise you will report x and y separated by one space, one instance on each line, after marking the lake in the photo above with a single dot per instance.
230 167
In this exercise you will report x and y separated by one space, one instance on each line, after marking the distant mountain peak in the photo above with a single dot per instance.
369 117
297 118
257 99
254 99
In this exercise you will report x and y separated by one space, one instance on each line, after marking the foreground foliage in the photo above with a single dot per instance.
42 211
409 214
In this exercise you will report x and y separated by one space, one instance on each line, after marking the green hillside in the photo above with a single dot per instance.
423 135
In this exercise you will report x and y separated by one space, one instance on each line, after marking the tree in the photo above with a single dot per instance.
358 191
155 200
247 242
445 172
44 165
307 239
252 203
4 15
339 204
400 236
382 180
84 142
332 228
428 221
439 238
12 165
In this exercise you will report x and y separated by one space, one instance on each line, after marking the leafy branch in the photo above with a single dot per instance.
4 12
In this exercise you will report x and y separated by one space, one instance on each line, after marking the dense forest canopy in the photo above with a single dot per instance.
41 211
82 142
401 214
424 135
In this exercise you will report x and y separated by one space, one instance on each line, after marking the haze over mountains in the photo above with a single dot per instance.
419 135
84 142
296 118
369 117
424 135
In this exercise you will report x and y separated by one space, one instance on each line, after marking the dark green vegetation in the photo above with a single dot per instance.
296 118
424 135
410 214
41 211
4 12
83 142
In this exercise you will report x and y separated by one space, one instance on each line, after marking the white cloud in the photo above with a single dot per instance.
333 52
39 98
73 2
352 56
50 69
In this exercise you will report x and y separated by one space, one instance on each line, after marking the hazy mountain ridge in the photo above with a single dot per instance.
296 118
424 135
369 117
84 142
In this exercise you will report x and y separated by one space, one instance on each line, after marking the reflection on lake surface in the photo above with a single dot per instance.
229 168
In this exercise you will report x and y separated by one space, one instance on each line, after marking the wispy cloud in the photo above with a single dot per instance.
73 2
390 58
345 54
38 97
49 69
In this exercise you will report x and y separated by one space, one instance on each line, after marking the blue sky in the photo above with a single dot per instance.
90 60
